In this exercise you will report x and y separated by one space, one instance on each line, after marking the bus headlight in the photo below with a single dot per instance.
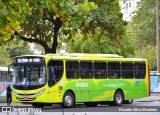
15 94
40 93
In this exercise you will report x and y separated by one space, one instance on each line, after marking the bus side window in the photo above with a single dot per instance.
55 70
100 70
114 70
86 70
127 70
72 69
52 74
139 70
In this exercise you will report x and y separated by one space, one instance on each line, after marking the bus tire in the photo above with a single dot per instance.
118 98
128 101
68 99
91 104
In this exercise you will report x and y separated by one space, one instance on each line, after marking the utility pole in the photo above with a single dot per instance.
157 36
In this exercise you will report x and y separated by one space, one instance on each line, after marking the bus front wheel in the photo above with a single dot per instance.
68 100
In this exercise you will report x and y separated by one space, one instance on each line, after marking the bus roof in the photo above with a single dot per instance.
75 55
86 56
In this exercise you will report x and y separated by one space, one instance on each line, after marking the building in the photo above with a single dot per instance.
128 7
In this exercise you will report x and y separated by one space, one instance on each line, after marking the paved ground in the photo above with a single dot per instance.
153 97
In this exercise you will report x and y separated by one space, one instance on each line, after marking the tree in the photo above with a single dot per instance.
106 32
43 20
143 29
95 44
19 50
108 18
143 24
5 58
8 52
12 14
150 54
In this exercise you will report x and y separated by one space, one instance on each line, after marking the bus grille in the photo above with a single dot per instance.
25 94
29 99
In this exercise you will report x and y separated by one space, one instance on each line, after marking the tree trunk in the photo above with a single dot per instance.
53 48
50 50
57 26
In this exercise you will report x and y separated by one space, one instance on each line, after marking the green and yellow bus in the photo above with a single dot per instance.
73 78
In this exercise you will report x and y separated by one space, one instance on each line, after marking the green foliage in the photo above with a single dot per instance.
108 17
143 24
143 29
99 43
40 21
8 52
12 13
5 58
19 50
106 32
45 21
150 54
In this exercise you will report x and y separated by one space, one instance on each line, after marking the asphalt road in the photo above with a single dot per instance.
153 106
136 108
145 106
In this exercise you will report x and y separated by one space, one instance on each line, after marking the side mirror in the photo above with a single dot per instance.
10 70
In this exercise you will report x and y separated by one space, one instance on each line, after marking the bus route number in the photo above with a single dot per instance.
121 84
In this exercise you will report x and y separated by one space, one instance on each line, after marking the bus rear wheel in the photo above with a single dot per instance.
118 99
68 100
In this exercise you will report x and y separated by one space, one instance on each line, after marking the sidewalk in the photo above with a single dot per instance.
153 97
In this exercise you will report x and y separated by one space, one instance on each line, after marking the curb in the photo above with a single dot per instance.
145 100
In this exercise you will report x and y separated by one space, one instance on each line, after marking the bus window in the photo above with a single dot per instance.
72 69
139 70
86 70
29 75
21 70
113 70
127 70
100 70
55 69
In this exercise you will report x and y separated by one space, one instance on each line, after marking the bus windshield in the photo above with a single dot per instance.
29 75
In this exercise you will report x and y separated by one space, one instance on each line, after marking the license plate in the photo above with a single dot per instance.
25 98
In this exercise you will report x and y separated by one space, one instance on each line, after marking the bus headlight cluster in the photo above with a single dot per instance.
36 94
40 93
15 94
